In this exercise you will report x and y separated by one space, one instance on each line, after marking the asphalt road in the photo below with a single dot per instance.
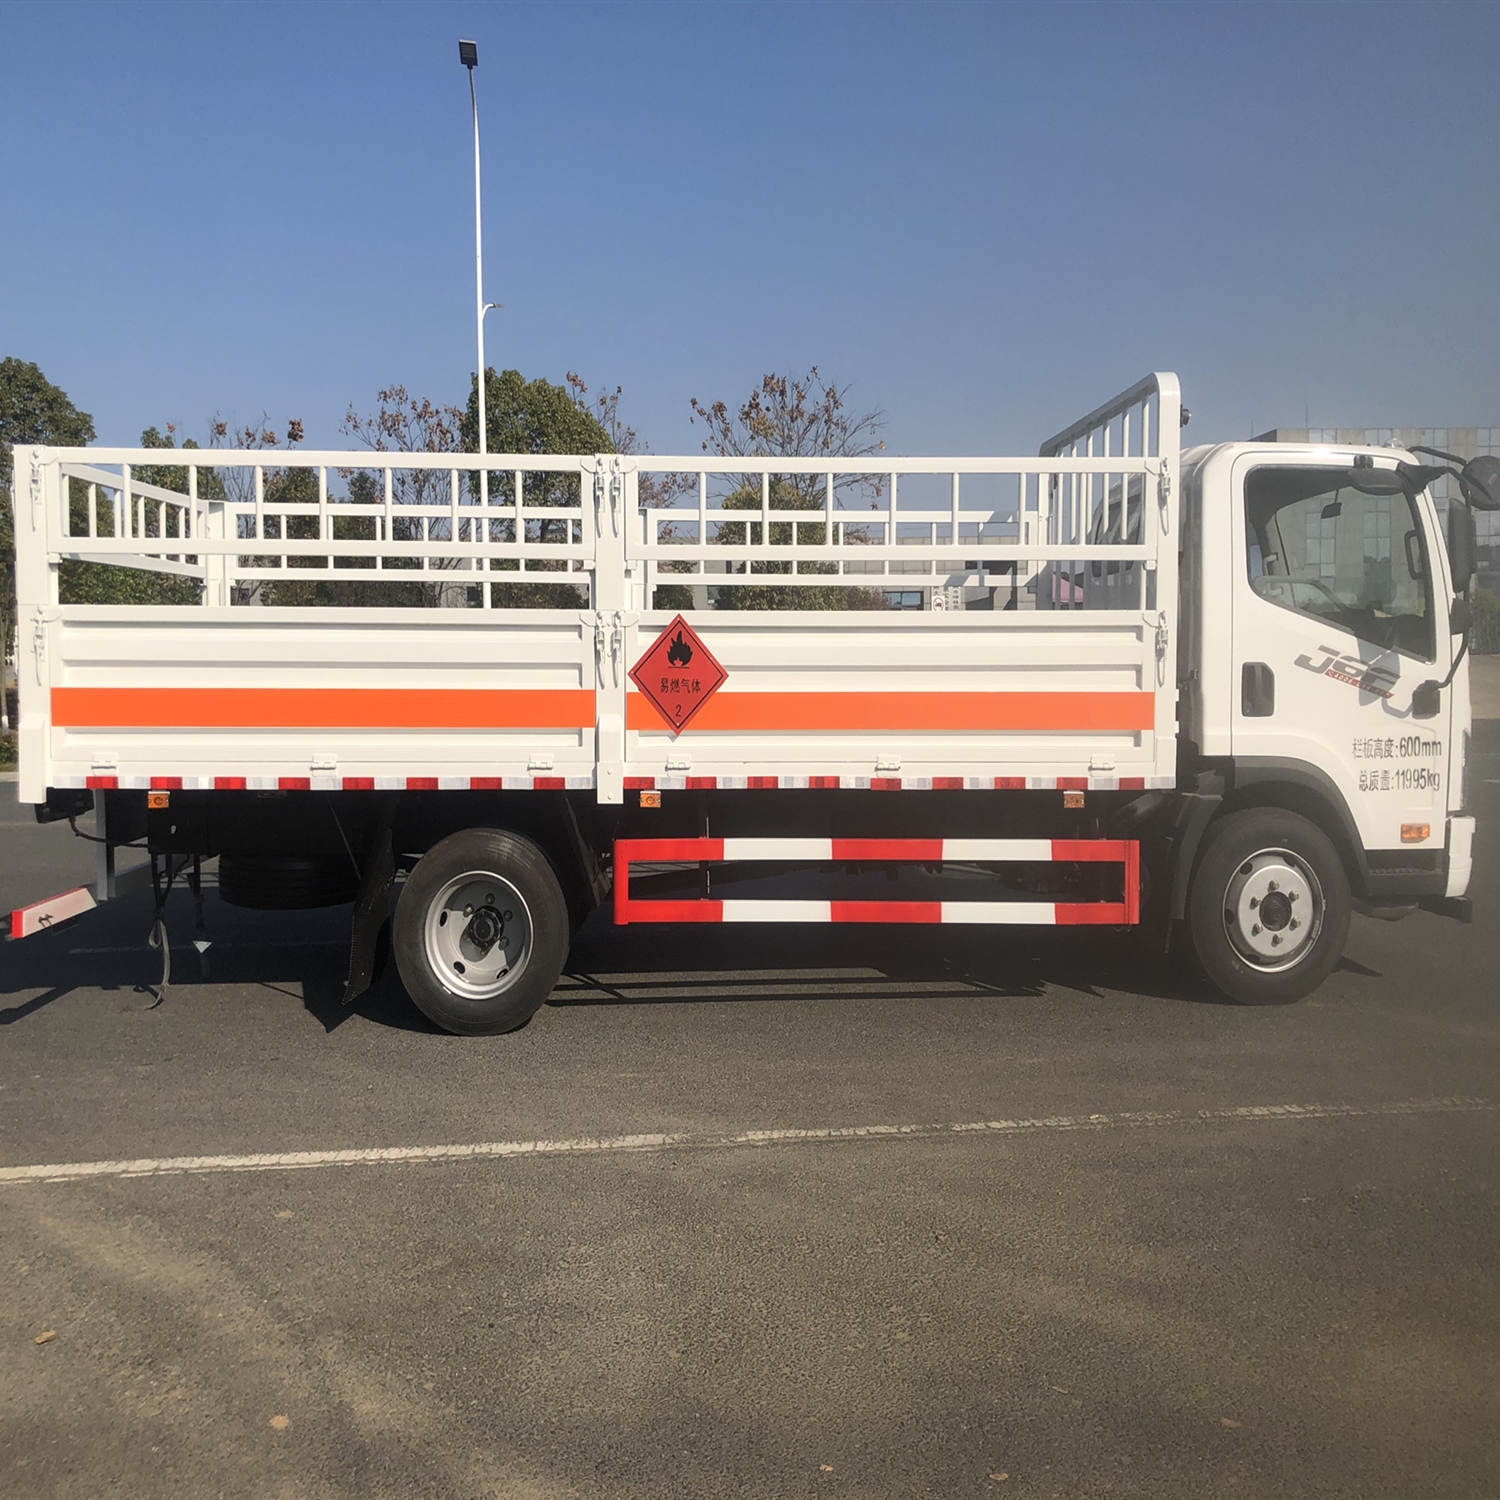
1134 1280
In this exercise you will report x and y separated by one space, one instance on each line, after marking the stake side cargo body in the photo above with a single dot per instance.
1069 660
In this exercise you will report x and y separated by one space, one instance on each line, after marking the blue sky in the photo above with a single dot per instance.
986 217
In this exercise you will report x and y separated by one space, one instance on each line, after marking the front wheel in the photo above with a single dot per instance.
1269 909
481 932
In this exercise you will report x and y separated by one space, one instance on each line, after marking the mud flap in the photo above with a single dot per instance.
369 938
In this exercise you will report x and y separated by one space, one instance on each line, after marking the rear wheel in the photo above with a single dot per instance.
481 932
1269 910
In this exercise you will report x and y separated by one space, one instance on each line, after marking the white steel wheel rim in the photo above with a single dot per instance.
1273 910
478 935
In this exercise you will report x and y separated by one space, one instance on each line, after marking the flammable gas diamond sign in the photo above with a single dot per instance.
678 674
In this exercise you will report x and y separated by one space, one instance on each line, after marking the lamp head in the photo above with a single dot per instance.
468 54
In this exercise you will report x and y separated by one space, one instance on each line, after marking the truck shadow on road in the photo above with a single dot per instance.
304 956
821 964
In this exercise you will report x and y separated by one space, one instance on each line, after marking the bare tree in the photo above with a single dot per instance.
797 418
788 417
404 423
237 484
653 490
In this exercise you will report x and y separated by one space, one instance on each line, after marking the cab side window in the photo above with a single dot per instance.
1355 561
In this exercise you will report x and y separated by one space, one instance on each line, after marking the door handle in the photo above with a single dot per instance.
1257 690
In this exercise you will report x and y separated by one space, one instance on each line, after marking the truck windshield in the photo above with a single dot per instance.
1355 561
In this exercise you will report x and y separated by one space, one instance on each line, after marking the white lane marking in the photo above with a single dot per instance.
288 1161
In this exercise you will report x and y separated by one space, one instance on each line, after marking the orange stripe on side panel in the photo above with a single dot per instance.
322 708
913 712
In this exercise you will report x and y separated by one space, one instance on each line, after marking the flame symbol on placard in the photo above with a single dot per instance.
679 653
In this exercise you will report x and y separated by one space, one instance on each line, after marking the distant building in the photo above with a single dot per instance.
1464 442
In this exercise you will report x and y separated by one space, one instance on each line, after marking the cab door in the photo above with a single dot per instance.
1339 611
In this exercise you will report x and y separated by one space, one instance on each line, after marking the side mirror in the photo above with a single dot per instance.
1460 617
1463 546
1480 483
1427 699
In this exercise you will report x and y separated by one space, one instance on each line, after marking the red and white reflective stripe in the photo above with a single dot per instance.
997 913
1109 851
1092 782
40 915
327 783
1125 852
822 851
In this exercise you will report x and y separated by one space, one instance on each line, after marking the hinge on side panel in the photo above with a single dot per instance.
622 620
39 645
1164 494
597 620
599 483
615 470
609 638
1158 622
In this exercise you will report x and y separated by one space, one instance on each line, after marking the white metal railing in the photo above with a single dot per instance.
1095 505
725 538
1092 506
417 517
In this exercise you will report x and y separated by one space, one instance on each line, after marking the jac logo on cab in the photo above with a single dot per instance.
1342 667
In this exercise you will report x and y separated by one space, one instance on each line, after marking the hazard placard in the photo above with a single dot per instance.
678 674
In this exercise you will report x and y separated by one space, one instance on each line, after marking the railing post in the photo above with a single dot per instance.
36 498
611 641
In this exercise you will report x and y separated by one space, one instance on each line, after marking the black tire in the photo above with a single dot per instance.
287 882
452 963
1255 869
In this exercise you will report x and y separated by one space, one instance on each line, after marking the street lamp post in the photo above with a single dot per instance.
468 56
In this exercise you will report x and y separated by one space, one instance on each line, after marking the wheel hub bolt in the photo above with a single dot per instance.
1275 939
1255 930
1272 886
1254 902
1295 924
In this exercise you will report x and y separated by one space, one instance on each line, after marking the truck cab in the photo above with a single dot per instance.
1321 659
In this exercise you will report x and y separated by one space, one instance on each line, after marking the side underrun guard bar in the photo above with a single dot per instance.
1040 912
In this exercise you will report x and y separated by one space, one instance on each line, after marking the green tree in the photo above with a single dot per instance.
783 417
535 417
32 411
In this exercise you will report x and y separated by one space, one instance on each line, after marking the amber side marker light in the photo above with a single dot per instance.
158 799
1072 799
1415 833
650 799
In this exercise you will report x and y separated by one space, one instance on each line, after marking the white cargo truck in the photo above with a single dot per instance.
1219 695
